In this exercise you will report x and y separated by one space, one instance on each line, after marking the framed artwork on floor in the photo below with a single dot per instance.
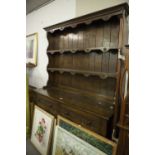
31 50
66 143
100 143
42 130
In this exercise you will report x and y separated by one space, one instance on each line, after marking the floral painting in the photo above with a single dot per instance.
43 124
41 130
66 143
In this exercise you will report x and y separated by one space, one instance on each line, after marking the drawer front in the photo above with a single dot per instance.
48 105
87 120
84 119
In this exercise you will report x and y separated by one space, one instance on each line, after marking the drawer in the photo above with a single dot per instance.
85 119
48 105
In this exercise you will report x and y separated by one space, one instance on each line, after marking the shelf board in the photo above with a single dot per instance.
86 50
78 100
102 75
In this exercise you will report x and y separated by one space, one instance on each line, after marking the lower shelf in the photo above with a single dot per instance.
102 75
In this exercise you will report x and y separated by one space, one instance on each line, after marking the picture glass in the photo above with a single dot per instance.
66 143
31 49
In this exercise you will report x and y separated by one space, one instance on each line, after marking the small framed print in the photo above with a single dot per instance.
102 144
31 50
42 130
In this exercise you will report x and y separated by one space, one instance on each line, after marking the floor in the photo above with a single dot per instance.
30 149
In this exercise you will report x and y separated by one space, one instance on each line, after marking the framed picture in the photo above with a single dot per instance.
42 130
31 49
104 145
66 143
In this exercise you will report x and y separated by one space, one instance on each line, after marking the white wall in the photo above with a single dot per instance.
87 6
55 12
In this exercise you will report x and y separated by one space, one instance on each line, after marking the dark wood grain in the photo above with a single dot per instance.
70 40
113 62
99 34
92 36
66 41
98 62
75 39
114 34
80 39
105 62
86 73
107 35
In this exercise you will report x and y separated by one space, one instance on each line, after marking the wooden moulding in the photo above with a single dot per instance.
87 50
123 127
102 75
104 15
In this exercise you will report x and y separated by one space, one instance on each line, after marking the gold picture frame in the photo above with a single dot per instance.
31 49
101 143
42 139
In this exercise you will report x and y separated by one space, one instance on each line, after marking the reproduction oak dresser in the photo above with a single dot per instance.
84 56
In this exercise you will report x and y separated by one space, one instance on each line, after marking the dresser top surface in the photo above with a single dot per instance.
77 99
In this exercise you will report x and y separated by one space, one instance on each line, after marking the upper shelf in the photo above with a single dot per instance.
86 50
106 14
102 75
